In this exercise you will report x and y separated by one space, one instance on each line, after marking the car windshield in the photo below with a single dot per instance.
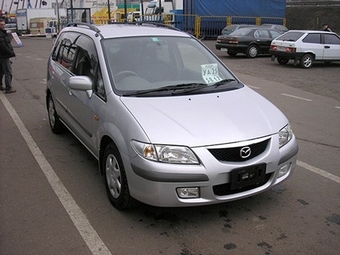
290 36
160 65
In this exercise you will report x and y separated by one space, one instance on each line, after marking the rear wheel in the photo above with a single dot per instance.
115 178
282 61
306 61
252 51
56 125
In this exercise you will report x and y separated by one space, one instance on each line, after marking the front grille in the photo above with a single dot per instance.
234 154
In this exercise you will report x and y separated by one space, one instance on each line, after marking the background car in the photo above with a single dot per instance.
306 47
281 28
251 41
231 28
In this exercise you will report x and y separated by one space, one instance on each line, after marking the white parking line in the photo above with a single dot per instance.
301 98
337 107
253 87
318 171
87 232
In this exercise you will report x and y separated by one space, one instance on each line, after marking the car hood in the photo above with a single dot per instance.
208 119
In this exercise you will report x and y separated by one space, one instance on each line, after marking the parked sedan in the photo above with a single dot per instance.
251 41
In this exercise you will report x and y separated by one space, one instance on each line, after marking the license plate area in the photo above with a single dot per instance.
248 176
281 48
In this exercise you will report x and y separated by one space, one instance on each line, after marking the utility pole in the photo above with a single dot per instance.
142 9
71 10
125 11
58 16
108 12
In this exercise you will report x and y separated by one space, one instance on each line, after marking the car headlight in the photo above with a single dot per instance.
165 153
285 134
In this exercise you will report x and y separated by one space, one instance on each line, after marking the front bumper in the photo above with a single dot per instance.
155 183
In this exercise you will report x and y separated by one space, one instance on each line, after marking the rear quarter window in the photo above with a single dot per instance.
331 39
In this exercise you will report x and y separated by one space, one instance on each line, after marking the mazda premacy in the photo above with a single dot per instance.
168 122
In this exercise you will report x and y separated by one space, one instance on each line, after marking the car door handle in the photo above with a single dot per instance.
327 47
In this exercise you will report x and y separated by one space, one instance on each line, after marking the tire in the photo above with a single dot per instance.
231 53
252 51
306 61
115 179
282 61
56 125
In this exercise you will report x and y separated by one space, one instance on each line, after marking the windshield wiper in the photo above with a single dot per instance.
187 87
222 82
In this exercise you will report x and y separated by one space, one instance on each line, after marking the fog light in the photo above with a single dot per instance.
283 170
192 192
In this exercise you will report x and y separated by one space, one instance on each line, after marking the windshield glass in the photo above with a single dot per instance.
143 65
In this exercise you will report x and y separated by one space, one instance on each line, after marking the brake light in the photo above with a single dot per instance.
290 49
273 47
234 41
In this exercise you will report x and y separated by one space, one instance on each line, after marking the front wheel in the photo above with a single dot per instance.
252 51
282 61
115 178
306 61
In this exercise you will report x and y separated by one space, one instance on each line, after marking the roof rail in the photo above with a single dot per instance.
90 26
145 23
156 24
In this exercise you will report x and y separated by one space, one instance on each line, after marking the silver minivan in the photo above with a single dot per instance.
168 122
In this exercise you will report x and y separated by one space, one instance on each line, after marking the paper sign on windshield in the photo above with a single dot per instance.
210 73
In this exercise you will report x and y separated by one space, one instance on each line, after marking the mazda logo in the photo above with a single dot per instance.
245 152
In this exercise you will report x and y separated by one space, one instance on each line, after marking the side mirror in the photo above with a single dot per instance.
83 83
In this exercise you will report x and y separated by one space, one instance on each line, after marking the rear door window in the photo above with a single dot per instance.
312 38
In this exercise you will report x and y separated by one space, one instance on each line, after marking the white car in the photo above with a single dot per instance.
305 47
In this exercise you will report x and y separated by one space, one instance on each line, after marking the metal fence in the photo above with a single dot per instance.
200 26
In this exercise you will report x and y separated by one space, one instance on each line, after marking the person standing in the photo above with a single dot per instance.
6 52
325 27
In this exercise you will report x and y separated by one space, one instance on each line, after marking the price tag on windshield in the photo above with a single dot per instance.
210 73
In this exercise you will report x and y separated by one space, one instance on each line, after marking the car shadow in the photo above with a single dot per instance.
319 65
